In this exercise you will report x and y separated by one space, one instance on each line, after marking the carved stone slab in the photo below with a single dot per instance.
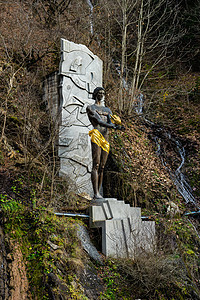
80 73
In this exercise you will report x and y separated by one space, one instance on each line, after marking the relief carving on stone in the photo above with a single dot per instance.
81 73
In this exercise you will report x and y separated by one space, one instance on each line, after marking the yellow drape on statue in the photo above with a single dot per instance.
98 138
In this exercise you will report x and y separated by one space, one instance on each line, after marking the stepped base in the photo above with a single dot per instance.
124 234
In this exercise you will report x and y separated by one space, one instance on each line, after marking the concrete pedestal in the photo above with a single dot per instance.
124 234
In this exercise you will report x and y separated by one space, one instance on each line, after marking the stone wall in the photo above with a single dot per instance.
51 95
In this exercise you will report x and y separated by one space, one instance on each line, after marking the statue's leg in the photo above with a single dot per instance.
104 156
96 156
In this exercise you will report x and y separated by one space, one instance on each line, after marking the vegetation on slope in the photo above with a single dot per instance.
45 247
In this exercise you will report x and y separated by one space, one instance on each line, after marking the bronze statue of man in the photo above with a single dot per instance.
100 117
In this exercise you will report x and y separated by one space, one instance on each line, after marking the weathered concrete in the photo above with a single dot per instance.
124 234
50 95
80 73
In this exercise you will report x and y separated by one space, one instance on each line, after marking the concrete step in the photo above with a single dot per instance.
124 234
114 209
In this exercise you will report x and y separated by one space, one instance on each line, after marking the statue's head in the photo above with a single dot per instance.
98 94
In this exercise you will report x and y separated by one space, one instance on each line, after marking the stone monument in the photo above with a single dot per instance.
80 73
124 234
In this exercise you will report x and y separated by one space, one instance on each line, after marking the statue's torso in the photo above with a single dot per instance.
104 113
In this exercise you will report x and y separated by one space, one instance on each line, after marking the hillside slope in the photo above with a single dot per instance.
41 255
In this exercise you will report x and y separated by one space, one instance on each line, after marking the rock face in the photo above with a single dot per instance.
19 286
80 73
4 272
13 277
124 234
87 244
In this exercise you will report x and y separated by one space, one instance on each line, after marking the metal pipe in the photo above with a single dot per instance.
192 213
85 216
145 218
72 215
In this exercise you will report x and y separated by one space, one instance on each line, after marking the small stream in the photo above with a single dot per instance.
118 69
91 16
176 175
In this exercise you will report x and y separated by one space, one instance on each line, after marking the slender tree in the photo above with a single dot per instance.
148 30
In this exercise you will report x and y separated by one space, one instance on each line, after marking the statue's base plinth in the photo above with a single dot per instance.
100 201
124 234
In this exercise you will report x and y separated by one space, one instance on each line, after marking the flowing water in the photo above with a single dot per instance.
176 174
91 16
118 69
